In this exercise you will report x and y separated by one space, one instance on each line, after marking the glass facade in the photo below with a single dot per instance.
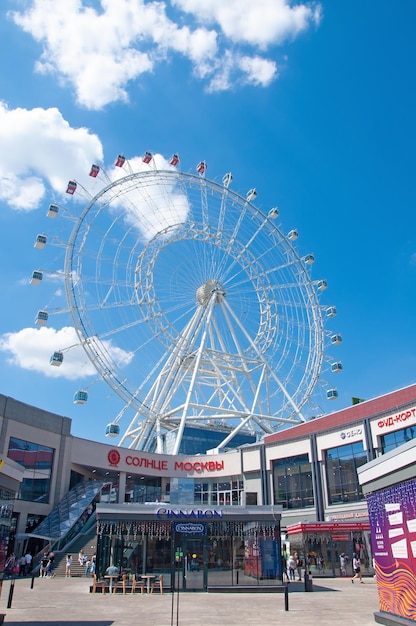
199 440
341 464
6 525
392 440
191 550
292 482
143 489
228 492
38 462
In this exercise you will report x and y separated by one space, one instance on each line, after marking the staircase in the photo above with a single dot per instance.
87 542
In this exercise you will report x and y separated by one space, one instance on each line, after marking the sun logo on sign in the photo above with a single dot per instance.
114 457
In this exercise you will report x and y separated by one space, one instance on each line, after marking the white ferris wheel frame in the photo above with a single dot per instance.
214 369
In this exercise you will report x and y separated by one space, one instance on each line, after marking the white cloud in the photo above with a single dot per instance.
262 23
258 71
252 71
31 349
99 51
39 147
42 151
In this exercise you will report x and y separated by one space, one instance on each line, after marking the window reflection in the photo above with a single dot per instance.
292 482
341 464
38 462
392 440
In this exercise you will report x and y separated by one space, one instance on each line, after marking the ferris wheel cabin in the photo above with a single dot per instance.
112 430
40 242
41 318
293 235
147 157
322 285
81 397
72 186
309 259
52 211
336 367
56 359
332 394
331 311
201 167
273 213
174 160
36 277
94 171
120 160
336 340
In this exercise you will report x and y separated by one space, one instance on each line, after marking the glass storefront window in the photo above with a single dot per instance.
244 552
38 462
225 493
341 464
143 489
391 441
292 482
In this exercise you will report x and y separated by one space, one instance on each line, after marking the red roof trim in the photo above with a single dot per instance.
355 413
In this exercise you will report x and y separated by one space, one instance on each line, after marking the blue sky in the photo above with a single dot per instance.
310 103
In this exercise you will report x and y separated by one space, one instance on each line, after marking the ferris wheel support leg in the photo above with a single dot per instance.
179 435
282 387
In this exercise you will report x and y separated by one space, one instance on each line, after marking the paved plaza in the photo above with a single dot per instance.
67 602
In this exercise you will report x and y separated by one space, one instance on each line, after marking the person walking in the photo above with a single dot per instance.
22 564
28 565
343 564
299 565
51 565
68 563
10 565
356 566
292 567
43 565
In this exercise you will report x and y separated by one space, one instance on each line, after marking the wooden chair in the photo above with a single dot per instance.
120 583
98 584
137 583
157 583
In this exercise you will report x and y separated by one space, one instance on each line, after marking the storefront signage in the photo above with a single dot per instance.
164 465
139 461
354 432
210 514
342 516
200 466
397 419
189 528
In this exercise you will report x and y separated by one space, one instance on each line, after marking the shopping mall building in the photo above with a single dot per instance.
223 515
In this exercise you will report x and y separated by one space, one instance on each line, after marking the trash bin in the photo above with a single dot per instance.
308 581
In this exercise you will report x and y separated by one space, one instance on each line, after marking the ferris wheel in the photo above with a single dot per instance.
193 305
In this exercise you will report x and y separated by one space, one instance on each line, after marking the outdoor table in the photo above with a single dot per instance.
111 576
148 578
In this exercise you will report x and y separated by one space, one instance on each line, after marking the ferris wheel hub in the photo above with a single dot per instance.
205 291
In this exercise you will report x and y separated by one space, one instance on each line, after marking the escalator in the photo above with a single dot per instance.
68 518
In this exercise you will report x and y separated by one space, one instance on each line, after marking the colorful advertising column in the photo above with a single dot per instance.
392 514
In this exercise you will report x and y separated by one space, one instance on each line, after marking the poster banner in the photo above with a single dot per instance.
392 514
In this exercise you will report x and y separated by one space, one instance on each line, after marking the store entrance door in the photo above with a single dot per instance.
194 567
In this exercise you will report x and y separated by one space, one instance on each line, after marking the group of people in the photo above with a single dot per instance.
293 566
84 560
18 566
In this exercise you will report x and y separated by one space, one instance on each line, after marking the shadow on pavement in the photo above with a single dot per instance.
299 587
64 623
